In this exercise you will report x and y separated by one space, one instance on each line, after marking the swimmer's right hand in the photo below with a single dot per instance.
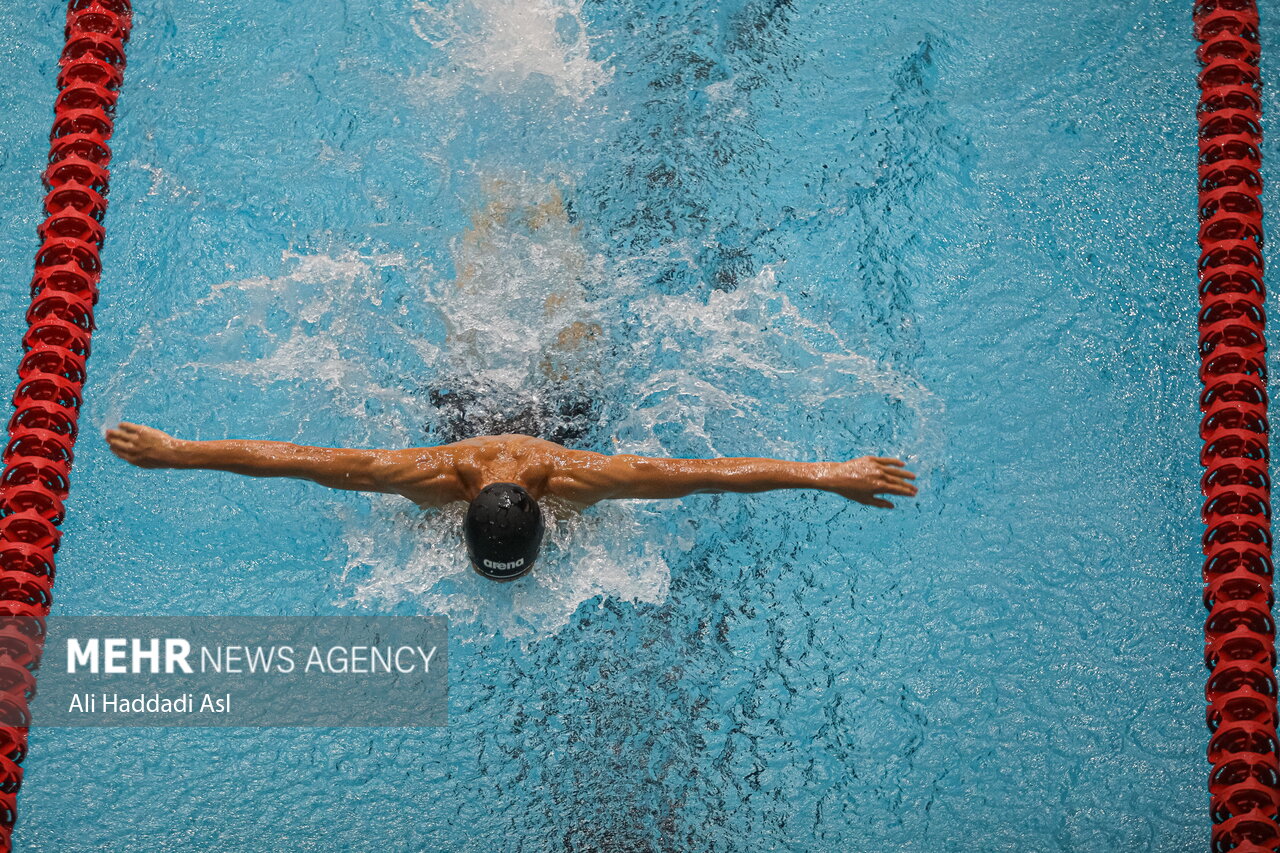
143 446
866 478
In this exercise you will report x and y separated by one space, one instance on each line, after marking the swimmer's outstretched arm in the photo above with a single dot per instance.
591 477
418 474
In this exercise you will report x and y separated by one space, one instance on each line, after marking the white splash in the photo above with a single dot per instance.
503 45
610 552
752 360
307 325
522 275
162 182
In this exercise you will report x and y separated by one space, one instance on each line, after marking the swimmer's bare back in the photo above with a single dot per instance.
434 476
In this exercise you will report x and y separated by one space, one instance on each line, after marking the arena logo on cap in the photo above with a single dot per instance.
514 564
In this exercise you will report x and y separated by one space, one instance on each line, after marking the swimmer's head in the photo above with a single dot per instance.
503 531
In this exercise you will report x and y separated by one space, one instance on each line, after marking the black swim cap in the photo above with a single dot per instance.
503 531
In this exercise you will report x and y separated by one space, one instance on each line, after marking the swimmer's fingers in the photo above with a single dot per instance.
125 433
890 479
118 438
125 428
122 447
897 487
892 467
879 502
128 435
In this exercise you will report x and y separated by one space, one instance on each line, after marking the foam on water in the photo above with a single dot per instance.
522 279
307 325
754 337
501 45
608 552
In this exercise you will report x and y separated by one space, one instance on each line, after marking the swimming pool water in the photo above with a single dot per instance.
958 232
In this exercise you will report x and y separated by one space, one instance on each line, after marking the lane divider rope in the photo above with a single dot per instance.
1244 782
51 375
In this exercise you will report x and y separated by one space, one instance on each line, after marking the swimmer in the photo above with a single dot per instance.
503 477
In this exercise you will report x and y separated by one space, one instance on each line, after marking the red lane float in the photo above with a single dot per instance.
51 376
1244 784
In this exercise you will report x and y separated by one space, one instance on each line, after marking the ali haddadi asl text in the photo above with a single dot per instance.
115 703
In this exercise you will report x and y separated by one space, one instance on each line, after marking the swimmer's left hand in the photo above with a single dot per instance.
867 477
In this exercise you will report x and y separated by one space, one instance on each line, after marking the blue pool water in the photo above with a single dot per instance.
960 232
